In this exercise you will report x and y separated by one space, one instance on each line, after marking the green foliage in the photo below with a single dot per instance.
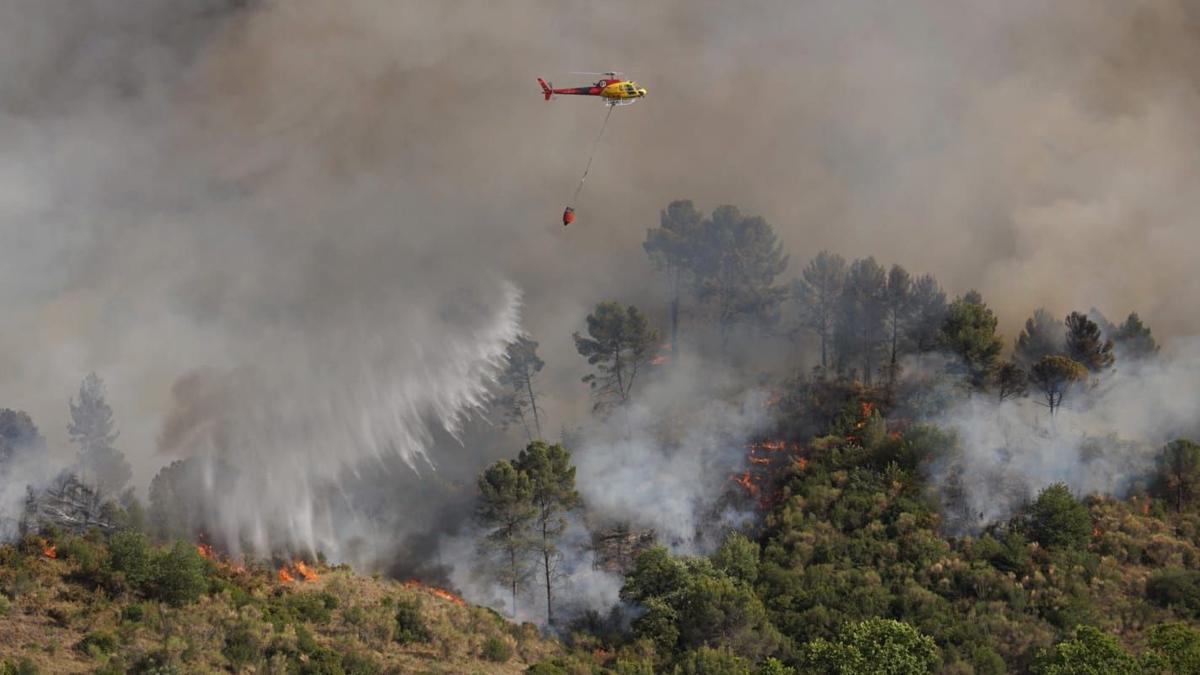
1043 336
1058 520
22 667
552 478
737 260
130 554
410 623
1054 376
133 613
1133 340
179 575
620 345
1085 344
242 646
497 650
506 506
1177 588
773 666
709 661
1176 647
817 293
518 402
1090 652
969 331
98 643
1178 477
738 558
874 646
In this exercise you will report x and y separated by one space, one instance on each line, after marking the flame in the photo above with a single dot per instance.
759 460
1146 507
436 592
747 484
306 572
49 550
1096 531
800 463
285 576
206 551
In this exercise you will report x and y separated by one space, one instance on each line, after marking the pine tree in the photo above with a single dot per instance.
91 428
1042 336
1086 345
672 248
1133 339
928 304
620 344
506 506
519 401
1053 376
970 332
817 295
860 328
553 481
898 297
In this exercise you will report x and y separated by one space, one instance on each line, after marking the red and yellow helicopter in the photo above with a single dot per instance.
610 88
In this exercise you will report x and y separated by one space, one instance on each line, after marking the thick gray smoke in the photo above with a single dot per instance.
285 232
1104 440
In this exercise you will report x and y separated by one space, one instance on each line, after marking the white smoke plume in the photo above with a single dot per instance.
1103 440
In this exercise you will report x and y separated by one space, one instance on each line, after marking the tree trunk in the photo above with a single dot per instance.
512 556
537 422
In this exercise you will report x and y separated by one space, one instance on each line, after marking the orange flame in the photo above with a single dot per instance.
285 576
800 463
49 550
1096 531
306 572
206 551
436 592
759 460
1146 507
747 484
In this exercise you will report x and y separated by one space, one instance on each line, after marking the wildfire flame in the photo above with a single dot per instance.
306 572
746 483
662 358
49 550
436 592
285 576
1096 531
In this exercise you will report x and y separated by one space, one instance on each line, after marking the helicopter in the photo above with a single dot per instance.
613 90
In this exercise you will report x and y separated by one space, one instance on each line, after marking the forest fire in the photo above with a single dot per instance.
284 575
207 552
306 572
49 550
664 355
436 592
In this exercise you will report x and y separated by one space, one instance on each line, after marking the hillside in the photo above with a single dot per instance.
91 609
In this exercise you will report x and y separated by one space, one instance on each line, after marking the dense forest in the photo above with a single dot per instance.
868 537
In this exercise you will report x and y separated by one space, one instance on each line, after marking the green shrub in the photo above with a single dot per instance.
242 647
709 661
179 575
354 663
22 667
1058 520
497 650
1176 588
130 554
314 607
546 668
410 624
133 613
97 643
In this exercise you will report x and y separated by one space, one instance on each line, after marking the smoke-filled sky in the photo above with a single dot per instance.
332 204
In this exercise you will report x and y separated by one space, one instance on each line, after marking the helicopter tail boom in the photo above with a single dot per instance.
546 89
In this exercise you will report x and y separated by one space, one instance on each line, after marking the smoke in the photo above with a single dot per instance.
291 236
1104 440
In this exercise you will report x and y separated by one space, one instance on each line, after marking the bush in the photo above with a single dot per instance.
497 650
410 624
130 554
314 607
179 575
97 643
133 613
1058 520
708 661
242 646
545 668
1176 588
22 667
